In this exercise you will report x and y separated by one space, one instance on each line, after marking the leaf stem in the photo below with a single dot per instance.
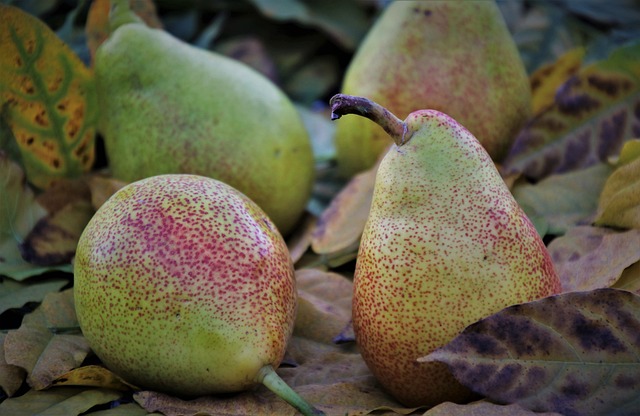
268 376
342 104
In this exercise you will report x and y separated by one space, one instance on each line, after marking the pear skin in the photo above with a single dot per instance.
456 57
445 245
169 107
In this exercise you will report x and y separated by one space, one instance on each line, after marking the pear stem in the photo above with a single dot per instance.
121 14
268 376
342 104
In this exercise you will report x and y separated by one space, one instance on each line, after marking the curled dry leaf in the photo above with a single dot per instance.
93 376
341 225
36 346
576 353
630 279
53 240
589 258
620 199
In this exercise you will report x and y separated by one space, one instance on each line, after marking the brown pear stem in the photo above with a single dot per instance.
342 104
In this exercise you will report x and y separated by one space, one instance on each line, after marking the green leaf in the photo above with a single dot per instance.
68 401
16 294
563 201
594 113
19 212
576 354
48 97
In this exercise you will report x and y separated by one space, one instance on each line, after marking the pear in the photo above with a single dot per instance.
182 284
453 56
445 244
169 107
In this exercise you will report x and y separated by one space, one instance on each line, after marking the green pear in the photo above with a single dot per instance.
445 244
182 284
453 56
169 107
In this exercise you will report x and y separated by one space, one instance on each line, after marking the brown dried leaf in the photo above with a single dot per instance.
341 225
576 353
37 348
589 258
619 204
483 408
595 111
11 376
55 402
300 239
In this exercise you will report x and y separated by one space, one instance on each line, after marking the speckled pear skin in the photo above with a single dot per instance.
169 107
453 56
444 246
184 285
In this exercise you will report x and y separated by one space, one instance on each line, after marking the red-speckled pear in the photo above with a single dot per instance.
184 285
444 246
454 56
169 107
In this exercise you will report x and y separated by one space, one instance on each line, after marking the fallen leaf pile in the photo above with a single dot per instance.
574 168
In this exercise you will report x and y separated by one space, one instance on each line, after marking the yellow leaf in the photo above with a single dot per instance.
48 99
546 80
630 279
619 204
93 376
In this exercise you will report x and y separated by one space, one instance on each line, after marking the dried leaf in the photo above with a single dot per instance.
93 376
483 408
589 258
562 201
102 188
575 353
97 27
38 349
299 241
546 79
66 401
11 376
341 225
620 199
19 212
595 111
54 238
49 99
15 294
630 279
129 409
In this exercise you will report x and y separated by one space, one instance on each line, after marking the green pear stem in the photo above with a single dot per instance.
268 376
121 14
342 104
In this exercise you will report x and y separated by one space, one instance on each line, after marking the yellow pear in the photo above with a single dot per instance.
445 245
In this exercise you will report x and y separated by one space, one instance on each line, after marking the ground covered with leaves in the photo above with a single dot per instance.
574 168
